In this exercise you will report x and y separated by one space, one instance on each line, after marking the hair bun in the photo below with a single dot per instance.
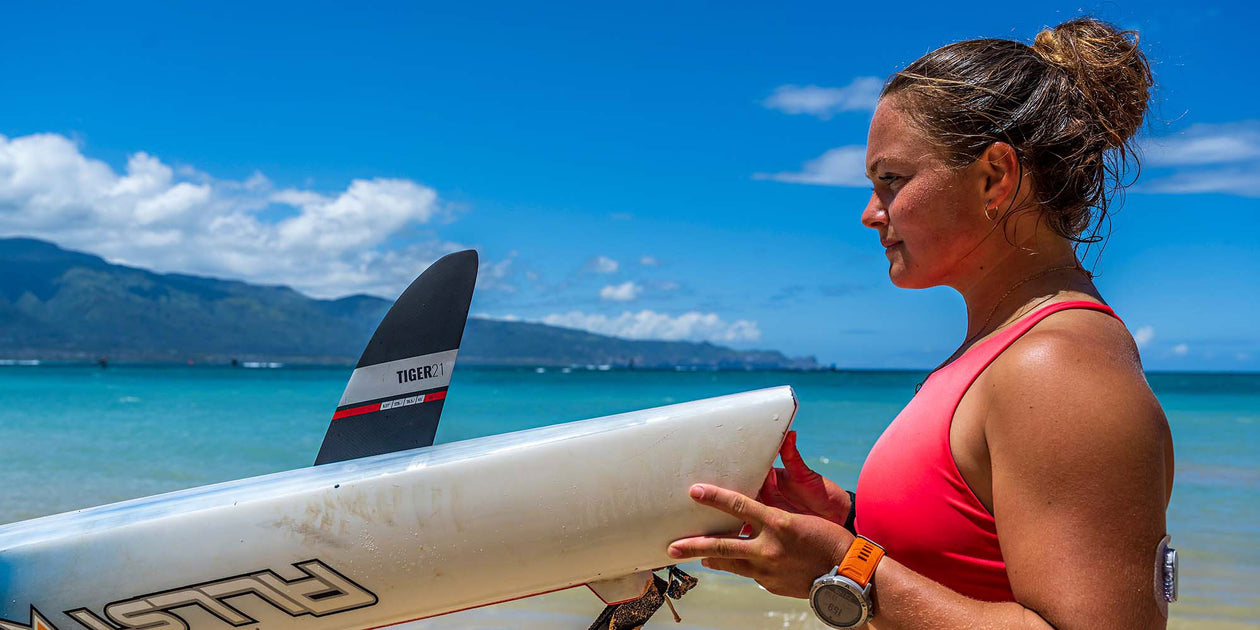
1112 75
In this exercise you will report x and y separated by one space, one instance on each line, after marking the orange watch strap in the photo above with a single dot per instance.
860 561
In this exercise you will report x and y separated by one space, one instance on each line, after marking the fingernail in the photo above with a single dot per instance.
674 552
697 491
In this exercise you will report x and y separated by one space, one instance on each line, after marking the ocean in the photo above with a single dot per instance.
76 436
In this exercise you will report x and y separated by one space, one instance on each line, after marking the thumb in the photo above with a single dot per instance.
797 469
803 486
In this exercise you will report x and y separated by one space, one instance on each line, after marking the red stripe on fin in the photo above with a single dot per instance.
356 411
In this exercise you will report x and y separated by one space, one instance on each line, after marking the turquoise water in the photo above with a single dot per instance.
76 436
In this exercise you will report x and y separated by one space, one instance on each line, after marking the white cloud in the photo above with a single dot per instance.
493 276
859 95
648 324
1222 143
603 264
844 166
623 292
668 285
1206 158
184 220
649 261
510 317
1243 181
1143 335
1181 349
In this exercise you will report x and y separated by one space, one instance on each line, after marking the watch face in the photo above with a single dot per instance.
838 606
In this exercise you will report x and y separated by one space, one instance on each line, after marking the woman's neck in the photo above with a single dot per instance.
1002 288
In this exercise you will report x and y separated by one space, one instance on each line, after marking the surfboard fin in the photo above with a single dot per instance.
654 592
623 589
395 395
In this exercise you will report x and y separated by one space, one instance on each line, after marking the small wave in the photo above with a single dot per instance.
129 399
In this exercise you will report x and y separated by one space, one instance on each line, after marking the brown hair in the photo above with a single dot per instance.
1069 105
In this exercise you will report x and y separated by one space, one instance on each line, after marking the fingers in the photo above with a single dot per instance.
738 567
792 459
751 512
788 448
786 499
768 489
802 486
771 492
711 547
781 481
731 502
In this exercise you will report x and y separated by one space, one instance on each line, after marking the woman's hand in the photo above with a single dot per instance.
798 489
784 553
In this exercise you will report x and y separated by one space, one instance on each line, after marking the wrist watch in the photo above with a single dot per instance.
842 598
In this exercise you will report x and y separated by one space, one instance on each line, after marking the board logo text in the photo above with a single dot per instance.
320 591
420 373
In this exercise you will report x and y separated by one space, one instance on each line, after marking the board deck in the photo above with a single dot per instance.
396 537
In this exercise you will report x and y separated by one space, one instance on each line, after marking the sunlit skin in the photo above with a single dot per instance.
1060 437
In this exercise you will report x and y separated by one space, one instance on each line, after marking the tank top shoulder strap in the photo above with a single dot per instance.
1032 319
980 356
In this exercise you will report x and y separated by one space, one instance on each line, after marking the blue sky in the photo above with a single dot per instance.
649 170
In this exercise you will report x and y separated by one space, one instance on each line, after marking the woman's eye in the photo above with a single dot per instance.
888 181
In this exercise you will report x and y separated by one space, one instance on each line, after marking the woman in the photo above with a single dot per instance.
1025 484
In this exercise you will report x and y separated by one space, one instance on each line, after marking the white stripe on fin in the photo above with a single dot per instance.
399 377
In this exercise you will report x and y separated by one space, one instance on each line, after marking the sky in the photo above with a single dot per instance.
648 170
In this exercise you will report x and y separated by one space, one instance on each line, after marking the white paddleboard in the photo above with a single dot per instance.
401 536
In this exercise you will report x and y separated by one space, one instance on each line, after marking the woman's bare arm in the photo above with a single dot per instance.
1082 467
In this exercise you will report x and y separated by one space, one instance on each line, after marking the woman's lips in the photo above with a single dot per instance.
888 246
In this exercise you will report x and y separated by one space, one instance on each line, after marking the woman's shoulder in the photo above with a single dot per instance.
1077 338
1077 371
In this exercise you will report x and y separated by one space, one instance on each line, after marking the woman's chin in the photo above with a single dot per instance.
903 278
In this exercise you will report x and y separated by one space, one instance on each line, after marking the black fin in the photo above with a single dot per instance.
395 395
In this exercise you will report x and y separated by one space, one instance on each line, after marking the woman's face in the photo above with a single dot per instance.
930 216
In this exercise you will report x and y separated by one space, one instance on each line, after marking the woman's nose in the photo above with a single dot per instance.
875 215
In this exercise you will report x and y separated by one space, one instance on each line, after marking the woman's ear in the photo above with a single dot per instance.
999 165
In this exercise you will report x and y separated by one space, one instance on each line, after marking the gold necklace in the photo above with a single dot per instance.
993 311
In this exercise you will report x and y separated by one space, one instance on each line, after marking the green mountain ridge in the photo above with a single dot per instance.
64 305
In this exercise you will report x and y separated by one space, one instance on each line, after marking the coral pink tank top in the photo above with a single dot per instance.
911 498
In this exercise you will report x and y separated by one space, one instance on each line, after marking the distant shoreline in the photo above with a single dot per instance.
61 305
304 363
301 363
